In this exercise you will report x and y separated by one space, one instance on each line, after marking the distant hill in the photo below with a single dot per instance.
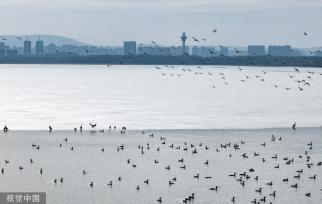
13 40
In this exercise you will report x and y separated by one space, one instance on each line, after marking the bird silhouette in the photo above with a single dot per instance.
92 125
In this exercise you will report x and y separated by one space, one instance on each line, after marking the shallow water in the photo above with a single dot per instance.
16 146
140 97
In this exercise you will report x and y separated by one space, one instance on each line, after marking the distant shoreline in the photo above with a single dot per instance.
165 130
263 61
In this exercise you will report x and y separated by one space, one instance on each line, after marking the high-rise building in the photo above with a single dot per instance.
208 51
2 49
284 50
195 51
256 50
223 51
40 47
27 47
2 45
129 48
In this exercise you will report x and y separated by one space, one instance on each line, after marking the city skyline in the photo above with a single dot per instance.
110 22
16 41
42 45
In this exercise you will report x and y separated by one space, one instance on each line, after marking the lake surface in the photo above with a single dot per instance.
141 97
199 107
103 167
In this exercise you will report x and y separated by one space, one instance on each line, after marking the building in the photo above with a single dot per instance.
206 51
2 49
129 48
152 50
223 51
176 51
40 47
2 45
148 50
2 52
27 47
51 48
12 52
195 51
256 50
114 51
284 50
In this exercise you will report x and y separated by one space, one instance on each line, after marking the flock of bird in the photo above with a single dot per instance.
244 178
300 78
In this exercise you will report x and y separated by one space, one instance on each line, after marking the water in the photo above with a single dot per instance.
102 167
140 97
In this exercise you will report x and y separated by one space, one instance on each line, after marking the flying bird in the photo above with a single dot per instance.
92 125
237 51
195 39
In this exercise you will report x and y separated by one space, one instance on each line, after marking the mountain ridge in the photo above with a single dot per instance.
17 40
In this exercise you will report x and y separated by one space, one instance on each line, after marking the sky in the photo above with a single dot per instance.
110 22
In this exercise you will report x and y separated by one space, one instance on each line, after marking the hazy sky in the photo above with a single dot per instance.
109 22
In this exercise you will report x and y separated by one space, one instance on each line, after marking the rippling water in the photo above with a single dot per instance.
140 97
101 167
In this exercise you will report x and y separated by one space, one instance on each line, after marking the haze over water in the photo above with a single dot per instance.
140 97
